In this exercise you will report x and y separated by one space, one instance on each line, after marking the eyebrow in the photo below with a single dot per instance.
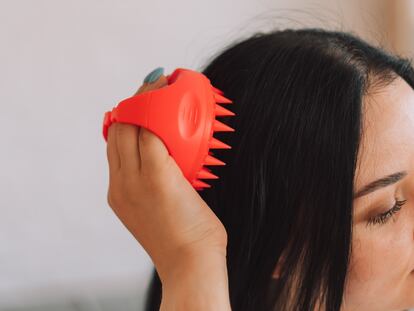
380 183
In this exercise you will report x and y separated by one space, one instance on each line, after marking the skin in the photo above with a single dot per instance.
381 275
381 272
191 258
149 193
166 215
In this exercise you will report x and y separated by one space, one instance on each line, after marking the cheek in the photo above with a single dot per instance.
379 265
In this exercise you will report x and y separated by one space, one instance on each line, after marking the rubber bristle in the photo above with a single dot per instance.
221 127
213 161
206 168
221 99
198 183
220 111
217 90
205 174
214 143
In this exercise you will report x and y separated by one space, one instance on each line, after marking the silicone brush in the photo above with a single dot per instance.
183 115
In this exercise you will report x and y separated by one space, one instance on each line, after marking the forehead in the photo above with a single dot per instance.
387 142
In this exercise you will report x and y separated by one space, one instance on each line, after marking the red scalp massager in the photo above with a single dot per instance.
183 115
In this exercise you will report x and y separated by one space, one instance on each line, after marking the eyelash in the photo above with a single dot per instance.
384 217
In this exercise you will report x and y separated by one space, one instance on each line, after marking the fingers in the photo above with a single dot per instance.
127 144
112 151
123 140
153 151
162 81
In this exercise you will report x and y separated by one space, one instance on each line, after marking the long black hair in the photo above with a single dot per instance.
288 184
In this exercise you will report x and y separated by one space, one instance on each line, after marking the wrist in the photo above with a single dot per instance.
174 263
196 281
178 266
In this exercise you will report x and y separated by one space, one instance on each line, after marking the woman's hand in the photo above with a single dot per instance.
152 198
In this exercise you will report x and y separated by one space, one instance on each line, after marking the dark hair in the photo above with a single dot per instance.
287 187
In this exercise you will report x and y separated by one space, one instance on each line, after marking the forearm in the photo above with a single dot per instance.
199 282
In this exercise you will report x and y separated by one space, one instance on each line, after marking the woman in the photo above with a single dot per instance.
315 207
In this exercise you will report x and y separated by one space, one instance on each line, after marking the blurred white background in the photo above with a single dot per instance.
62 65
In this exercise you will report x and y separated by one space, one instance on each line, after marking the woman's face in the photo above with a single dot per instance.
381 272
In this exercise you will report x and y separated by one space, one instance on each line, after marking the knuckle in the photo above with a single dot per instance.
144 135
125 192
108 199
120 129
114 198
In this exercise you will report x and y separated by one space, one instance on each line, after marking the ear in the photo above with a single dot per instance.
276 272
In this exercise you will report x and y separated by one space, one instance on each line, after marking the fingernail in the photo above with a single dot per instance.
154 75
